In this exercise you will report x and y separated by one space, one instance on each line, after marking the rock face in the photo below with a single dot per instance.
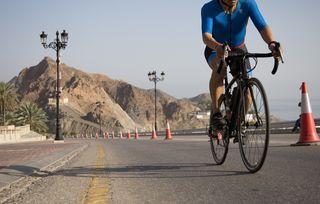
87 98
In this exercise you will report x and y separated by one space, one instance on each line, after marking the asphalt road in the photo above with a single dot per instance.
183 172
178 171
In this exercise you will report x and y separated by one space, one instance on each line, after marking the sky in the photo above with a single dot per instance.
126 39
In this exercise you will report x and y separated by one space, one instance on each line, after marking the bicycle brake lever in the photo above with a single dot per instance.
276 60
281 57
280 53
277 46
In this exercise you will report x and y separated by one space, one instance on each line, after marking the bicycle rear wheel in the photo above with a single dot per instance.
219 140
253 125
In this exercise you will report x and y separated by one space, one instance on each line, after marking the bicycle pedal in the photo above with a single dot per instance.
217 134
213 130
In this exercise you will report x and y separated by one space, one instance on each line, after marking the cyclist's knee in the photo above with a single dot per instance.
214 64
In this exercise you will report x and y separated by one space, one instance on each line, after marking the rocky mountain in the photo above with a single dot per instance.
203 101
88 97
201 98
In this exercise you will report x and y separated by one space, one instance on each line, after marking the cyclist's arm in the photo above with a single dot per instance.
262 27
209 41
256 15
207 27
267 35
259 22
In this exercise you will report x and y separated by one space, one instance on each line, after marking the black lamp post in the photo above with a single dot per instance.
154 78
57 45
99 106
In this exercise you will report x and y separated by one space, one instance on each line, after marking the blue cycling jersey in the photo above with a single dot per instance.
230 28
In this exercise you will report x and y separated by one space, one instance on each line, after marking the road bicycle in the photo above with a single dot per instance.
244 106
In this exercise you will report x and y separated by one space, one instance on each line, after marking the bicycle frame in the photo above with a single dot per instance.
239 79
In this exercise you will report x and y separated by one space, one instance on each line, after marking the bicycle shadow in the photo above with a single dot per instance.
22 171
160 171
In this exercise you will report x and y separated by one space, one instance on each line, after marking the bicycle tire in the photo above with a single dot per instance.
219 143
253 125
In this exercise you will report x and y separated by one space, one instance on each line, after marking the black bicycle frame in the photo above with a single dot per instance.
240 79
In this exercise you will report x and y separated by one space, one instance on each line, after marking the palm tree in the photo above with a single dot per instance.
8 100
30 113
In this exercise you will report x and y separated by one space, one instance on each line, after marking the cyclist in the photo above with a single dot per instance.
297 123
226 21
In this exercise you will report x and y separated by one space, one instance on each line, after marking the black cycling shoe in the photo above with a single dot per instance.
235 140
217 121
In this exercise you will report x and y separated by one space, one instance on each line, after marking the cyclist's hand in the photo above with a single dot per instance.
276 50
223 52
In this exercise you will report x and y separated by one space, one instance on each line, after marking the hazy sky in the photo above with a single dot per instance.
127 39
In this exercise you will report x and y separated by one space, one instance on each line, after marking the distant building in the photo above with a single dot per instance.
52 101
203 115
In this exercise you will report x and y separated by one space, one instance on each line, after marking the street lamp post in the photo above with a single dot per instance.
154 78
57 45
99 105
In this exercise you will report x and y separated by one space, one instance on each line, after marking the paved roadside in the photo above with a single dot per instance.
82 179
23 159
283 139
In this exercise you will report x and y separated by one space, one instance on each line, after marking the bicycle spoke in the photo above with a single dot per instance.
254 111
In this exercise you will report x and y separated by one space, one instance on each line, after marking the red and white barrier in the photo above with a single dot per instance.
308 133
168 132
128 135
154 134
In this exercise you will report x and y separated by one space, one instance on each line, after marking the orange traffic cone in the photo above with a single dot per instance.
136 135
129 135
154 134
168 132
308 133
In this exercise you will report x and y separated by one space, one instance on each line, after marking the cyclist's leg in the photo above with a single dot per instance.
216 90
216 86
248 96
248 100
235 67
296 125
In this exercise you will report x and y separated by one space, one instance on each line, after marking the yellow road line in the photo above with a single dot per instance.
98 189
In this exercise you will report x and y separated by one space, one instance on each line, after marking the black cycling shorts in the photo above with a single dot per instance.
234 65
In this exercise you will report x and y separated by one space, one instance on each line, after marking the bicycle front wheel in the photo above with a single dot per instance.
253 125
